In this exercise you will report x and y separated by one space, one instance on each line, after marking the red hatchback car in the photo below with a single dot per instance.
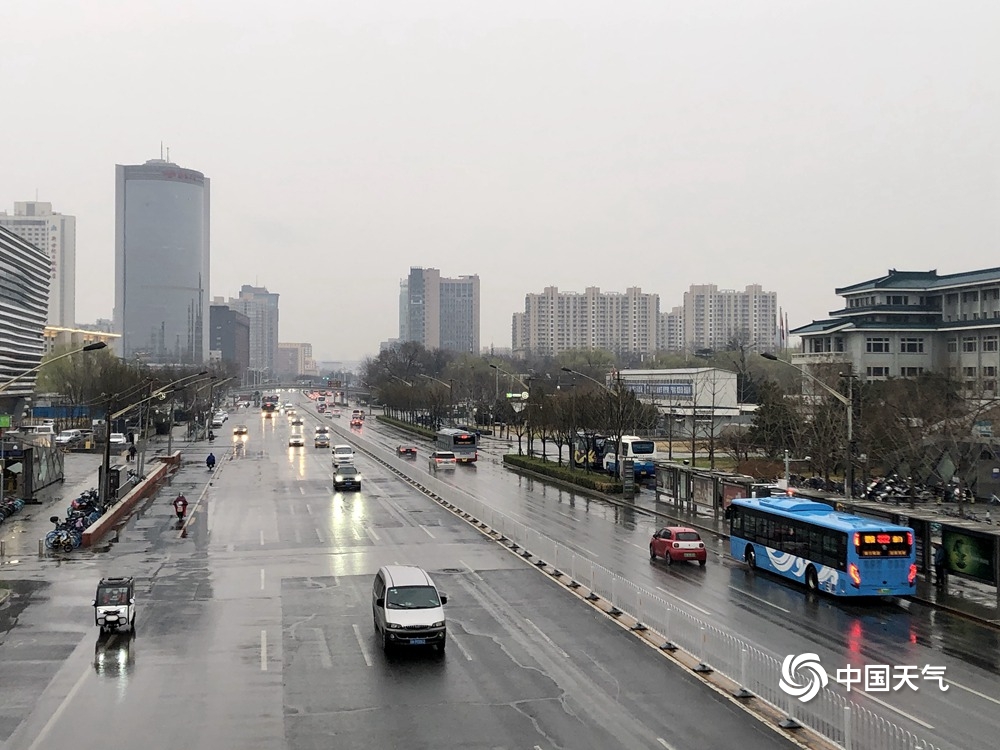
677 544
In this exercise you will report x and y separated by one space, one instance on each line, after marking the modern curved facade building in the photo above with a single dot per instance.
162 262
24 301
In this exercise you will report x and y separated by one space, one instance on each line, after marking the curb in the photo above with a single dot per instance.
995 624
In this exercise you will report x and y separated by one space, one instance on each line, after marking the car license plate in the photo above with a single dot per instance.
418 641
884 591
689 554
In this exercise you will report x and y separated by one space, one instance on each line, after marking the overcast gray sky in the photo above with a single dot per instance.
802 145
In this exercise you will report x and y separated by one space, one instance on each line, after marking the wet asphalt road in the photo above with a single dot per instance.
254 631
764 610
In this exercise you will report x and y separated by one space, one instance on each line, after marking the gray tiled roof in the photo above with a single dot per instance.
928 280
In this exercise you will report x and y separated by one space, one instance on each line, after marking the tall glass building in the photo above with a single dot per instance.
162 262
24 300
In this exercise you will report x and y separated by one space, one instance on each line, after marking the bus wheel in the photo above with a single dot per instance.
751 557
812 580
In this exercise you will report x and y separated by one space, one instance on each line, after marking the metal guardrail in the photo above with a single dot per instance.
757 673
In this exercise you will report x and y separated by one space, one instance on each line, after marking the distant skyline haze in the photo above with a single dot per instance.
801 146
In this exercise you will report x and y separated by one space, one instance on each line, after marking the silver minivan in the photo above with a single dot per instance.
407 609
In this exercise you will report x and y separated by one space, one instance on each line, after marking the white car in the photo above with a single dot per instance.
295 440
118 438
441 460
343 454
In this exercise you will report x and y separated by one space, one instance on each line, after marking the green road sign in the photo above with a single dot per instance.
4 421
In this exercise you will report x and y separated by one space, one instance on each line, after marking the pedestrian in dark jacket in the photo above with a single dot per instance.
939 567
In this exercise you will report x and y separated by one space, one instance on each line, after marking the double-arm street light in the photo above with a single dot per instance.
847 401
450 385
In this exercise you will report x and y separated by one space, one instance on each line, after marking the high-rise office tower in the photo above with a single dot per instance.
55 235
440 313
261 307
162 262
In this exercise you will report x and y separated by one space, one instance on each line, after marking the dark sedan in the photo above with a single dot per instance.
347 478
406 451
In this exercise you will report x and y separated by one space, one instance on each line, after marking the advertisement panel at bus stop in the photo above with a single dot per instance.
969 554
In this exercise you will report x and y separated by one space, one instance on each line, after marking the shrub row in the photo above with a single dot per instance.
592 481
414 428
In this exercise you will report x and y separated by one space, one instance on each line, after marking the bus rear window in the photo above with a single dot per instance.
643 447
883 543
465 440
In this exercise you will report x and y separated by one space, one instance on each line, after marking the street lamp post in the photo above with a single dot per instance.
789 460
170 419
449 386
88 348
847 401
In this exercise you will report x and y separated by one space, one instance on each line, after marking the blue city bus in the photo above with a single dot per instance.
826 550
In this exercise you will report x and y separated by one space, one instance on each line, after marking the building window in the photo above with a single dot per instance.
952 345
969 344
877 345
969 372
911 346
989 343
878 372
989 371
911 372
989 385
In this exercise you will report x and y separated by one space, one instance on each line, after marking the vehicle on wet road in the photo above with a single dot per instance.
355 422
678 544
295 440
347 478
342 454
463 443
441 460
241 429
321 440
114 604
827 550
322 429
406 451
407 609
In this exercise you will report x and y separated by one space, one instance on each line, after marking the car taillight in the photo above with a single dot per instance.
857 539
909 538
913 574
855 574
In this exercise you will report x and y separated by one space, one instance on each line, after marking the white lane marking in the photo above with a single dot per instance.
361 645
261 579
639 546
291 509
318 535
428 531
683 601
665 743
58 712
354 530
892 708
263 651
757 598
974 692
302 490
463 649
371 533
471 569
262 537
309 509
547 639
591 555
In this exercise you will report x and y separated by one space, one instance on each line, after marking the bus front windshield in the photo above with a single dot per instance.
643 447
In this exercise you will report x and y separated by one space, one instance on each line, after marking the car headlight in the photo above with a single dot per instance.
390 626
438 624
338 478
